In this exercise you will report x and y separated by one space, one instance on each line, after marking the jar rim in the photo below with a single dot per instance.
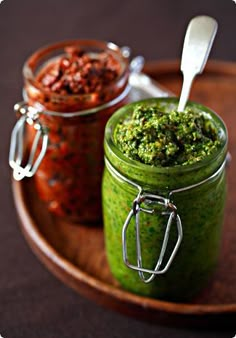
46 50
125 110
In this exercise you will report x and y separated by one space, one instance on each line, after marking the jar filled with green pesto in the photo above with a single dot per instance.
164 196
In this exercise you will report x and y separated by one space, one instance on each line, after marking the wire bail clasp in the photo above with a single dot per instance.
29 115
173 217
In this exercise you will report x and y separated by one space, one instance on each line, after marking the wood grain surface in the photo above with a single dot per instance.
76 254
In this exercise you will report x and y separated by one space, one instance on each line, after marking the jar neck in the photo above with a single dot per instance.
169 193
74 103
165 178
43 109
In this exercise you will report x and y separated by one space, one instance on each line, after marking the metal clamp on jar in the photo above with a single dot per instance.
169 210
31 116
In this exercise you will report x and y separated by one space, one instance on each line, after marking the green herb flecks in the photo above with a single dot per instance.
172 138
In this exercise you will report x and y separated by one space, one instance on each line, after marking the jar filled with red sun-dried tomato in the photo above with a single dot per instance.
70 90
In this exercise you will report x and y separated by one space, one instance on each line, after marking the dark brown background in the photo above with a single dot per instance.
32 302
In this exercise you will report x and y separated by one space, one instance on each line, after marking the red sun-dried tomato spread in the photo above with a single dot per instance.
79 72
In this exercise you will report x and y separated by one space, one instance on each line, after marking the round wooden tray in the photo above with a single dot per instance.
76 254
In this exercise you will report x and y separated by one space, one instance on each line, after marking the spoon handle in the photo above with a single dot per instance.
198 41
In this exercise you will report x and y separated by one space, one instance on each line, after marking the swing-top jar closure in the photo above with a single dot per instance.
71 88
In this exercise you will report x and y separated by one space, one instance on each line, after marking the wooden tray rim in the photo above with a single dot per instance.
41 246
171 65
31 232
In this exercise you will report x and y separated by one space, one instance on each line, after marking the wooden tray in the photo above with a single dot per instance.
76 254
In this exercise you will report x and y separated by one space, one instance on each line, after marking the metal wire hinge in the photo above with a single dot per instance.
29 115
173 218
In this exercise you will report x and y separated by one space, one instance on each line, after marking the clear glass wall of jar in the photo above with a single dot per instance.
198 193
69 177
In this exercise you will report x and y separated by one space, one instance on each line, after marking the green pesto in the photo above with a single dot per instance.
201 210
156 137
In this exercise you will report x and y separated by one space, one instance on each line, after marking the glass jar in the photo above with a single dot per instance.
64 132
163 224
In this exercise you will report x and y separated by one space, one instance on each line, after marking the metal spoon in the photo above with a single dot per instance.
198 41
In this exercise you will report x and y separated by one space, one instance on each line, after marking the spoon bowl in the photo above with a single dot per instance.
198 41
